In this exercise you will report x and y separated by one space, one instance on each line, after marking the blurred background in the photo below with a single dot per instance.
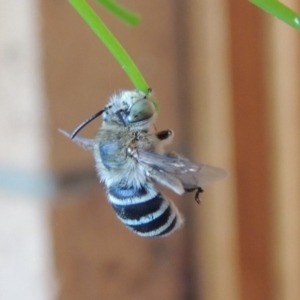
226 76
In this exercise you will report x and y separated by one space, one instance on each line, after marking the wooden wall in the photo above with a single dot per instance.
228 86
226 78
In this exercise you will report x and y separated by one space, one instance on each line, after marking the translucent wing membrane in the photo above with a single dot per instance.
189 173
170 164
206 175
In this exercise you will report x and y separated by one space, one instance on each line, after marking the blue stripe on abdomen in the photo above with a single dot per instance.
139 210
127 192
154 224
153 217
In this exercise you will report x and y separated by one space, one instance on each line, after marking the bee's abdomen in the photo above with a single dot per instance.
144 210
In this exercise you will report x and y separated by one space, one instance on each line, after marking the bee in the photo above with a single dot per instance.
131 159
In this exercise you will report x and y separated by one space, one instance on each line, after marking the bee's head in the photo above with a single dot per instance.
130 109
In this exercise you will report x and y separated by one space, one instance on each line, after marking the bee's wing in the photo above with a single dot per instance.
191 174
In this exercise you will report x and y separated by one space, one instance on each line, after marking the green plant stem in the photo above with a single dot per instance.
280 11
121 12
88 14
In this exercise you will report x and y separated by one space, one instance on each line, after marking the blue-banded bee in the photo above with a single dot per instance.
131 158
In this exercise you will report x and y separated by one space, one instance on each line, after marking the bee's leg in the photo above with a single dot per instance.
190 188
197 198
198 191
165 134
164 138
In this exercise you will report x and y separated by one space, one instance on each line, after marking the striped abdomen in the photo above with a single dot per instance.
144 210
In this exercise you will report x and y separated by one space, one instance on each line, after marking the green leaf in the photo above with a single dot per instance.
121 12
96 24
280 11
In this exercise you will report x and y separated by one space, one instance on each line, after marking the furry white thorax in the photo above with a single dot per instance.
133 173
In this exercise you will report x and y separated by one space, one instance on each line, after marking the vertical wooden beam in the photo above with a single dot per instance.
282 54
212 142
252 150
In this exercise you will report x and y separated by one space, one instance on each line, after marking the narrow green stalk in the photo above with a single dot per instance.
88 14
121 12
280 11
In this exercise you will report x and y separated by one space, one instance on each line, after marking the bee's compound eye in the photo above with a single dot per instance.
141 110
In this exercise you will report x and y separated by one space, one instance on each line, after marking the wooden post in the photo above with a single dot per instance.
282 80
252 150
212 141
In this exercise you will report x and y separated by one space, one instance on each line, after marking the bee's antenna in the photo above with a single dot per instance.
89 120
